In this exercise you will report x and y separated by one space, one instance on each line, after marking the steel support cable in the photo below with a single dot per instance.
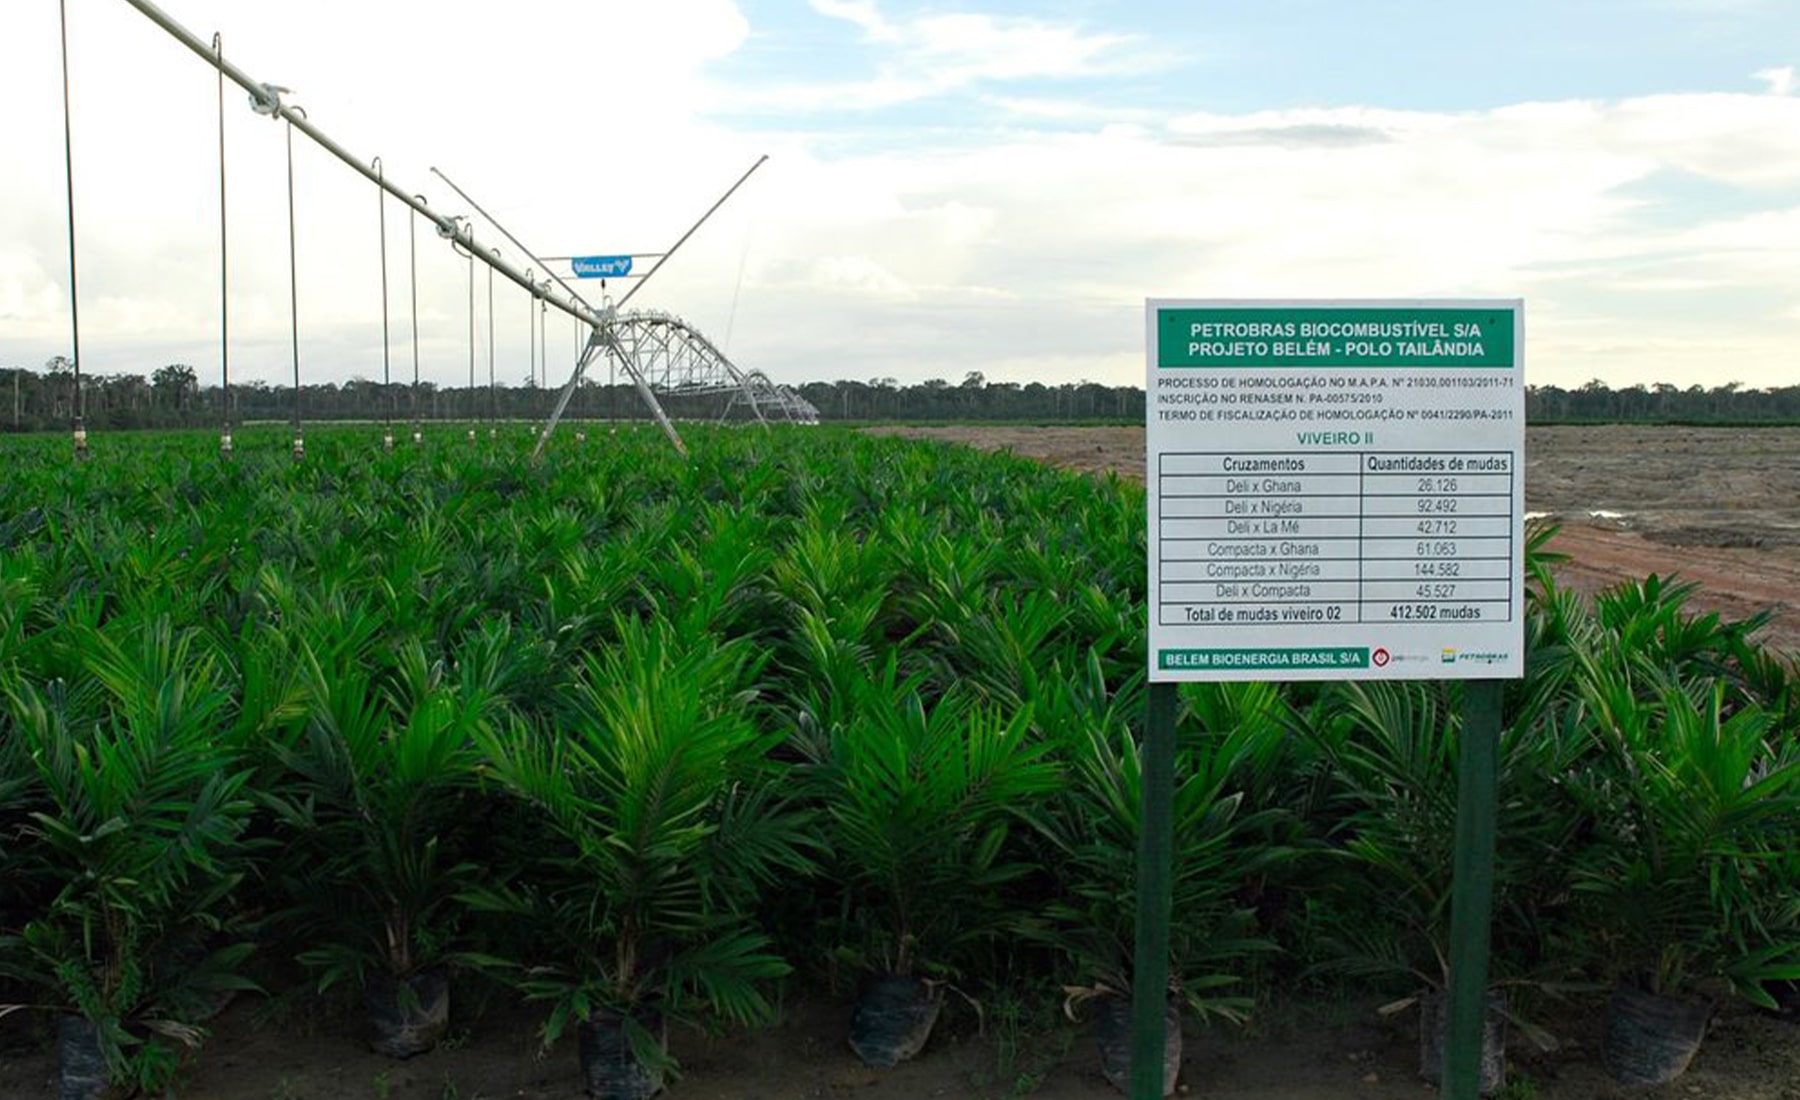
77 406
412 230
455 246
470 407
218 42
493 393
387 366
531 308
294 294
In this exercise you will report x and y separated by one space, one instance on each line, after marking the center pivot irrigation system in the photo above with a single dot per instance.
660 353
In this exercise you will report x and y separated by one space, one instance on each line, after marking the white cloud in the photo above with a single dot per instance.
1024 253
935 54
1051 241
1780 81
863 14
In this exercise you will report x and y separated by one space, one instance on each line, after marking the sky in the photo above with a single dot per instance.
954 186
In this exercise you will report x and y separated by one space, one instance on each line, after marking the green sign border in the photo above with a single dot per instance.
1271 659
1379 337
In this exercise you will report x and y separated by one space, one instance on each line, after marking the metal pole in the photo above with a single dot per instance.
493 393
1472 888
387 366
469 408
562 401
294 295
224 270
77 406
1150 969
412 229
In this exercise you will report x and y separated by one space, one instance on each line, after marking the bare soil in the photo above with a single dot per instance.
1717 506
1324 1051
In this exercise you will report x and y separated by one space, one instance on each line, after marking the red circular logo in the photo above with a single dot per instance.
1381 658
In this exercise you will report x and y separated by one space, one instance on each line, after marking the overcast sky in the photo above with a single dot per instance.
956 186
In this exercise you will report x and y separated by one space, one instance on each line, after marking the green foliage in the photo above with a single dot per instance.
368 791
1695 808
630 730
134 844
655 787
1223 847
920 802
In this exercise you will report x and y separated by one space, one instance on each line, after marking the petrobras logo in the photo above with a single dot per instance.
1451 656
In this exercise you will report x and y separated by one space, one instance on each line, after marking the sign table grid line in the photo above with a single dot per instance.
1286 486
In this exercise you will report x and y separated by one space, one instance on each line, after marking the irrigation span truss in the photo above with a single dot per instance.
677 362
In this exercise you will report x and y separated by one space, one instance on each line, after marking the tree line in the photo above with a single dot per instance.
173 396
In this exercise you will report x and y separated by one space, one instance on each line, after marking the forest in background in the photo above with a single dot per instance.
175 396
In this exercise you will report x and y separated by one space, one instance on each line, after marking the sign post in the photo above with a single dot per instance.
1335 492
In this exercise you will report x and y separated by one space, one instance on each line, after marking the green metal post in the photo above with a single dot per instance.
1150 970
1471 904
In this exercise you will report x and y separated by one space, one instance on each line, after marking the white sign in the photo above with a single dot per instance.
1336 489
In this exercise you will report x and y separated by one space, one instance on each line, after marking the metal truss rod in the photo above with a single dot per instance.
633 255
603 337
562 400
676 247
464 195
267 98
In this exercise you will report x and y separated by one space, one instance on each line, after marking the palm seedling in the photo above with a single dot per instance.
1221 849
374 786
667 828
138 819
920 801
1688 874
1393 754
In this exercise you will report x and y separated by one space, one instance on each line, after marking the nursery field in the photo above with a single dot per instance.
733 776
